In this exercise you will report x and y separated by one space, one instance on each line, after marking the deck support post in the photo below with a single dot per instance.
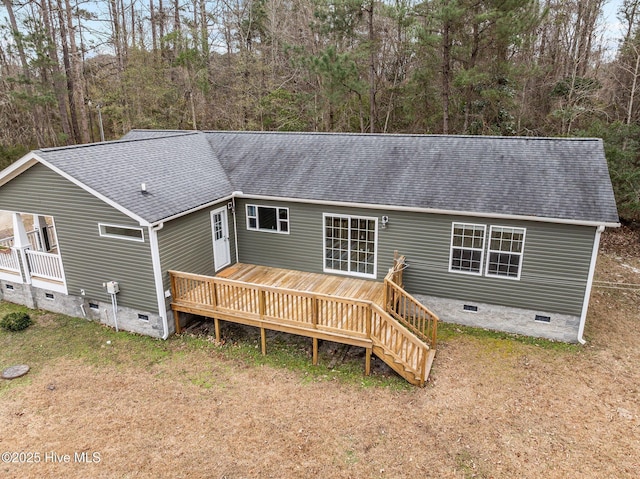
367 362
315 351
176 318
423 367
216 323
263 341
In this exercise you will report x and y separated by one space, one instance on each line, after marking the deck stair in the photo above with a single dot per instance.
400 331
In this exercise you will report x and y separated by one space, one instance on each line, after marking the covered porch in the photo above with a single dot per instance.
29 251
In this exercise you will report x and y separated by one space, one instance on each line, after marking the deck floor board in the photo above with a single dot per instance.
345 286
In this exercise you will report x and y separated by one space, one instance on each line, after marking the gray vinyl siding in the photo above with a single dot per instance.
186 244
88 259
554 272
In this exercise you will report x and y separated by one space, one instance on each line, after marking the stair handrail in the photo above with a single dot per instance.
420 371
394 293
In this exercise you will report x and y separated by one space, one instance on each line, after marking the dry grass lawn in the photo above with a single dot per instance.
496 407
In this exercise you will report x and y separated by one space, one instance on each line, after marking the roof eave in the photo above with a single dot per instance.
541 219
18 167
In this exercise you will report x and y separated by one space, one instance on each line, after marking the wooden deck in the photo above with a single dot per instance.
343 286
342 309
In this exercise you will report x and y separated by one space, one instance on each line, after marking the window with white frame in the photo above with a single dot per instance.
268 218
121 232
467 248
504 256
350 245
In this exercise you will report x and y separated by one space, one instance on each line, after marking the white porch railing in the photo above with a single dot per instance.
35 239
9 261
45 265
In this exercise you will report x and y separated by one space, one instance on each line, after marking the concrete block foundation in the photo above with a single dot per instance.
129 319
542 324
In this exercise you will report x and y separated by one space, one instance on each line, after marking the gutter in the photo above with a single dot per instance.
411 209
587 292
415 209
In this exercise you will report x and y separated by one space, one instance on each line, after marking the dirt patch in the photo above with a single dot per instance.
333 354
623 241
495 408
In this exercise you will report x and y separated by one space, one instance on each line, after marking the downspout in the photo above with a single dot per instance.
587 292
235 228
157 276
234 195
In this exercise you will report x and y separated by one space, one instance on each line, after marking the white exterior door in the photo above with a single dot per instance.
221 248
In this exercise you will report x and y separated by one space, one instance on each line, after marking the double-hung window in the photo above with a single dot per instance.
268 218
467 248
503 249
350 245
506 246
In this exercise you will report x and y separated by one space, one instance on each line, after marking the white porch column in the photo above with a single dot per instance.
21 243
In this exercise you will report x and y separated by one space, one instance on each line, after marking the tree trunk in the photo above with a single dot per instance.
446 71
204 31
78 77
634 84
117 42
177 46
372 71
161 17
154 31
68 73
124 37
25 71
58 83
15 31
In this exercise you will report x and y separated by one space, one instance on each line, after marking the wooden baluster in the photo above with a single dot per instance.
261 303
314 312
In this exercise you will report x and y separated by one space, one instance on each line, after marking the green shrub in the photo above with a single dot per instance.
15 321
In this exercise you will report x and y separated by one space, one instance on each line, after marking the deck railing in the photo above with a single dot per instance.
407 309
44 265
9 261
303 311
311 310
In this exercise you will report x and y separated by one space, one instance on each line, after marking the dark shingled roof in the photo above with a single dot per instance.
559 178
543 177
179 170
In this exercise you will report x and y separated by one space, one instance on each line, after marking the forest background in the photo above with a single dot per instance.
77 71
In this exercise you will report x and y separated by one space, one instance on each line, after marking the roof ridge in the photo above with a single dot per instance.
127 140
408 135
